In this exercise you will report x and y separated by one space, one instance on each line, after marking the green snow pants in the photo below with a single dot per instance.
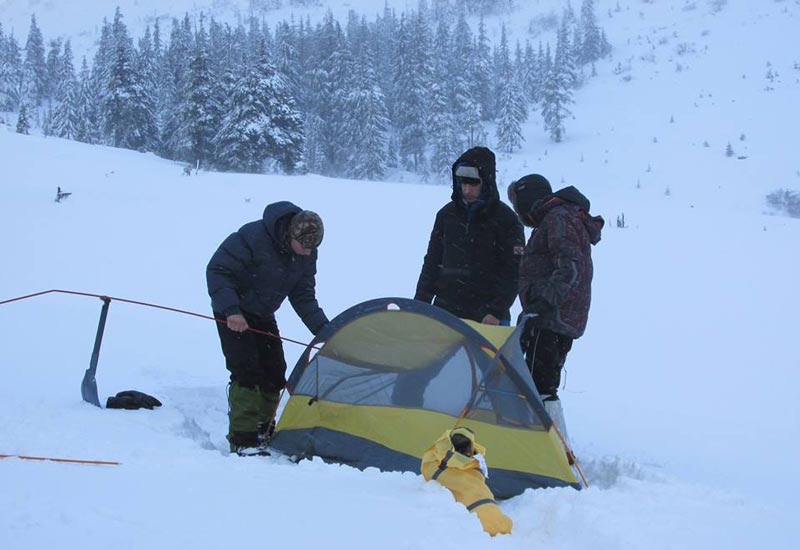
249 410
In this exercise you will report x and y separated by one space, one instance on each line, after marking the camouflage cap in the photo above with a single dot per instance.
307 229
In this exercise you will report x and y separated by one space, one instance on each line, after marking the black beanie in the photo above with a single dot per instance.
527 191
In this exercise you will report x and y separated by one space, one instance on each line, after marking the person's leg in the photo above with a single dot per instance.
272 366
246 409
246 406
545 356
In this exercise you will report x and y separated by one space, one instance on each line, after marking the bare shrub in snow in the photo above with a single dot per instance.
786 201
717 5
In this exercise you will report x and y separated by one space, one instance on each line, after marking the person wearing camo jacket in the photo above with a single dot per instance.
555 280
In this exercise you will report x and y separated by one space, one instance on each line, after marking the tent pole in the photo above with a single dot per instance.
570 454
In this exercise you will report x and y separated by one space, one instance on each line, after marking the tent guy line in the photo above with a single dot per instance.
89 384
147 304
64 460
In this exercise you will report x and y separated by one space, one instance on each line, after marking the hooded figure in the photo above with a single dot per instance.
456 461
249 276
555 274
556 271
471 267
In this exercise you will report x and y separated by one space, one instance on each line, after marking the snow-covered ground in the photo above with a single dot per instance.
682 398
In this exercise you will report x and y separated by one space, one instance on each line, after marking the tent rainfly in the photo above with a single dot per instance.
387 377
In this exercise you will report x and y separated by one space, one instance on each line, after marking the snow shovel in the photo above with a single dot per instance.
89 383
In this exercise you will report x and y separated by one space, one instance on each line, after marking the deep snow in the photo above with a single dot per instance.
681 399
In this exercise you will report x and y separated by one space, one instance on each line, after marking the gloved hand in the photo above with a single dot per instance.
132 400
321 328
538 305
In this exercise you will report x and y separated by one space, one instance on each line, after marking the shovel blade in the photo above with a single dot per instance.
89 388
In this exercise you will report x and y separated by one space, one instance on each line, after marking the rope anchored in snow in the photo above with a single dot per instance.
147 304
67 460
89 383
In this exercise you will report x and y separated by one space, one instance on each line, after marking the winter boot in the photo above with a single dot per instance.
252 451
247 444
248 429
552 404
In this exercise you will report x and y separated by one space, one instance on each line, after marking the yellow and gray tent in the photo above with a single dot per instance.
386 377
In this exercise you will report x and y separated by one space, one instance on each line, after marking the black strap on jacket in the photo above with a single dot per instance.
442 465
480 502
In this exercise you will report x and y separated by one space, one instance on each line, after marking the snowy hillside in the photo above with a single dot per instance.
682 397
81 21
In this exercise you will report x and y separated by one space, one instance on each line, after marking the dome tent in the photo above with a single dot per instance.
386 377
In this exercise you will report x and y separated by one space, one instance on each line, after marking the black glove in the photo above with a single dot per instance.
321 328
131 400
538 305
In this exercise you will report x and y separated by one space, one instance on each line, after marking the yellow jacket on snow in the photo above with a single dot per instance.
463 476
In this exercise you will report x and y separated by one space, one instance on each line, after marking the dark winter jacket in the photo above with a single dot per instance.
254 270
471 268
556 271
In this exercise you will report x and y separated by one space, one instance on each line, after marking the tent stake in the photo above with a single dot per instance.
570 454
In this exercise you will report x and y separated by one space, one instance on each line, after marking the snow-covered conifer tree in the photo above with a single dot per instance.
200 113
88 107
329 83
384 46
65 114
262 123
511 103
464 85
34 66
146 69
53 69
128 111
530 75
368 124
411 82
590 48
483 69
10 73
565 57
557 92
287 59
313 155
174 71
23 123
442 118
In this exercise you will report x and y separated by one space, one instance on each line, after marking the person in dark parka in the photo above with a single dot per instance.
555 274
471 267
252 272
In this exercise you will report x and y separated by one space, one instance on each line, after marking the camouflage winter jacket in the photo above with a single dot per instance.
556 270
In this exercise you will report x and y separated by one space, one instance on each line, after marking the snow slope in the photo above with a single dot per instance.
681 398
81 21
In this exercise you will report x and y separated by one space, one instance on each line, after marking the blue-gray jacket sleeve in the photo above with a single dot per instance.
303 298
225 273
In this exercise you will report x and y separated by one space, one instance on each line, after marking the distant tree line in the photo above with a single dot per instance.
347 100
